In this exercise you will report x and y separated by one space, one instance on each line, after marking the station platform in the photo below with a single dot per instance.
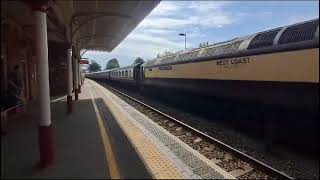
103 138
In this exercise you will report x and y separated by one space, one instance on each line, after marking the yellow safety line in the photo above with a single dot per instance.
112 164
156 162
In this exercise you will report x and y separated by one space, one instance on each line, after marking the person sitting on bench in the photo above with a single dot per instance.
7 103
12 100
15 84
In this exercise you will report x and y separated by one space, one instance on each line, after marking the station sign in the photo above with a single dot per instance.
84 62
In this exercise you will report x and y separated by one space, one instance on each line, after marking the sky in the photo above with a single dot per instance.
203 21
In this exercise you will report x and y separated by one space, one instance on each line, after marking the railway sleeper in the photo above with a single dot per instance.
239 172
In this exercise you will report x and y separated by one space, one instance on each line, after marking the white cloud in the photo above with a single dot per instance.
146 46
206 6
164 23
166 8
300 18
205 14
159 31
145 38
135 45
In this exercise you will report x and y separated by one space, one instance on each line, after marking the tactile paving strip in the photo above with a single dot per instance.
198 165
158 164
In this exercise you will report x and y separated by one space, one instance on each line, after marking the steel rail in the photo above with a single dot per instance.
261 166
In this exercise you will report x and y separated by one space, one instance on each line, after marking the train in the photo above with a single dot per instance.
278 67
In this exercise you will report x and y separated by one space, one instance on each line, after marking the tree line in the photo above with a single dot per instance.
111 64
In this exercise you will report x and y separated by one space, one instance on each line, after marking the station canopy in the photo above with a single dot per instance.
97 25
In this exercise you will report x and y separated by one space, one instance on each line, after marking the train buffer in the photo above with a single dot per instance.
103 138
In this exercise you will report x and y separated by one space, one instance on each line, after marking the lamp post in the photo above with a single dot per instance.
185 40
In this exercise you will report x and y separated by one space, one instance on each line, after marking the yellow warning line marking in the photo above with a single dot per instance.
157 163
112 164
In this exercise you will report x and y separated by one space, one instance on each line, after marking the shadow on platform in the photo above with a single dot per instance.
79 152
78 147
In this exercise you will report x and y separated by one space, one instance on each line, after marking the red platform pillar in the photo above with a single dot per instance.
69 74
45 133
76 70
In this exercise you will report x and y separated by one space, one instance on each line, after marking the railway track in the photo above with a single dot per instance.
238 164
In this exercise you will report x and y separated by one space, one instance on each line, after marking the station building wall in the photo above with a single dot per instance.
17 49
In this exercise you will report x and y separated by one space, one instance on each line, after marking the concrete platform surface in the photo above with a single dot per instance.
103 138
80 150
165 155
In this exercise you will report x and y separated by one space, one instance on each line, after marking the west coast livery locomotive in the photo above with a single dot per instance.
277 67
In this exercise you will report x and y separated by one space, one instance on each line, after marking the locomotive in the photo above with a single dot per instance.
277 67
